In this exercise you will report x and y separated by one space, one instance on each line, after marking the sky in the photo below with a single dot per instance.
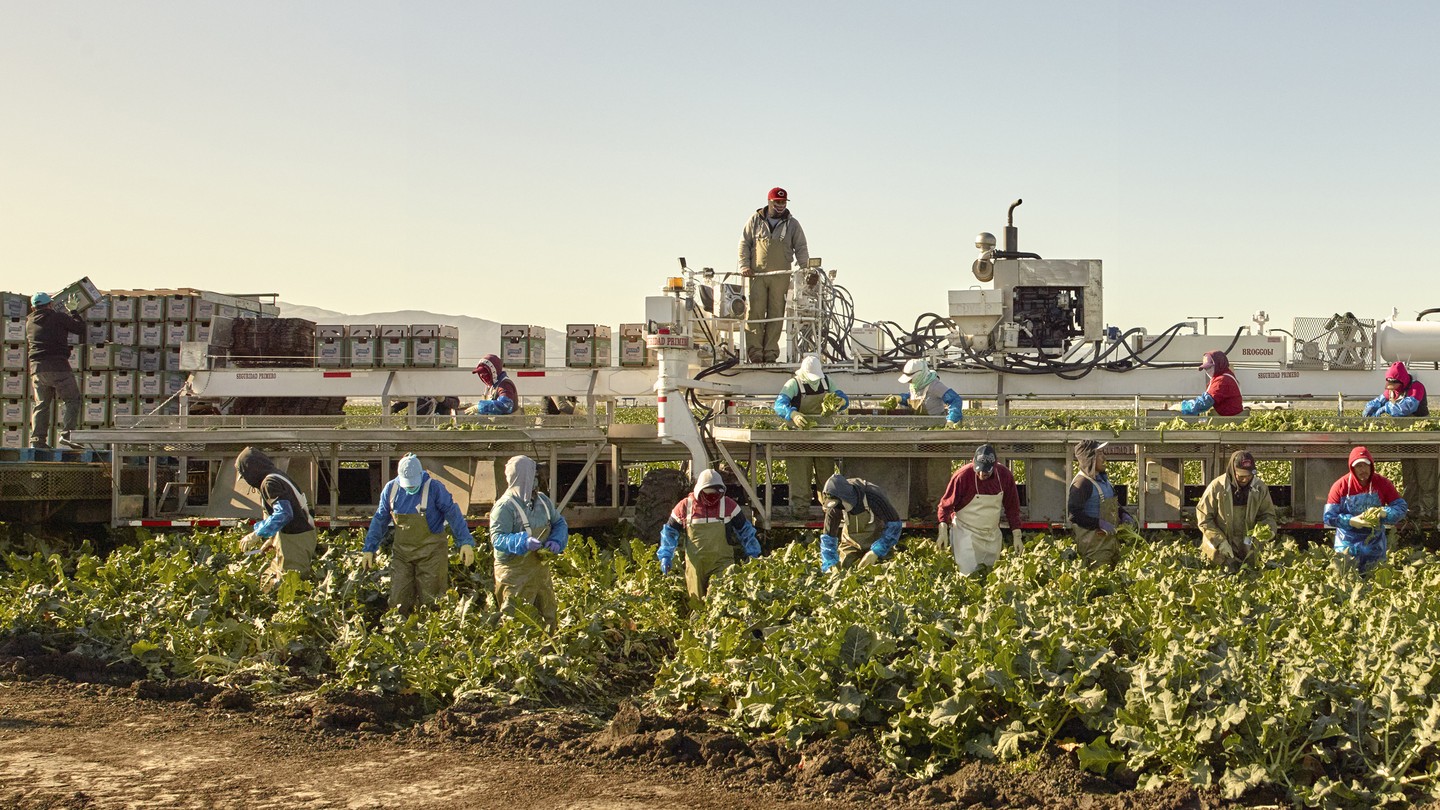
547 162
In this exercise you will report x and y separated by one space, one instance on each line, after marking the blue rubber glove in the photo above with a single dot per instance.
1188 407
553 547
532 545
829 552
1107 527
1371 409
665 563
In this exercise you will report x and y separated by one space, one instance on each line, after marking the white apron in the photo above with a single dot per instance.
975 537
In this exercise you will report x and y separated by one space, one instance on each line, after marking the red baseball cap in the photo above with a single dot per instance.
778 193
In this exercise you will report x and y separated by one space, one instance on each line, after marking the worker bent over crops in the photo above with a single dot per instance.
287 530
861 527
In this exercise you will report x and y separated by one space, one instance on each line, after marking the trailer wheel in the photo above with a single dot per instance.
660 490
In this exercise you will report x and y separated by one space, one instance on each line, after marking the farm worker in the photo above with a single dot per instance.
47 330
1235 506
928 395
1405 396
287 529
971 509
1094 508
1361 504
802 398
770 240
502 398
1223 392
709 518
418 508
861 527
523 523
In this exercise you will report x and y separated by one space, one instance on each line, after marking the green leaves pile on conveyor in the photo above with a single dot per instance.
1300 673
1300 421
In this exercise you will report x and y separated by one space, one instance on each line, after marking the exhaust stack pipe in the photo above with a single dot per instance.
1012 233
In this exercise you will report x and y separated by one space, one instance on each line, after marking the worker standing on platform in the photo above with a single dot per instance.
417 508
770 241
1361 504
1405 396
861 526
502 398
714 526
928 395
801 400
1235 507
1095 511
523 523
287 529
47 330
978 494
1223 392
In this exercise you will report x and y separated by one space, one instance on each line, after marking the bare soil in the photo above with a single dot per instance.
114 740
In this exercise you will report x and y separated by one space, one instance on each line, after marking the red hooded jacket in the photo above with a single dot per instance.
1223 388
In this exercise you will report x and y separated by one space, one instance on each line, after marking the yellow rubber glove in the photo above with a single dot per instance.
250 541
801 421
891 402
868 560
467 556
367 560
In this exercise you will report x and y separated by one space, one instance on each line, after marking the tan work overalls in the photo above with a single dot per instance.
293 552
1096 548
707 551
522 579
419 559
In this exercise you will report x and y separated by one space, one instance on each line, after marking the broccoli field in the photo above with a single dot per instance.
1300 680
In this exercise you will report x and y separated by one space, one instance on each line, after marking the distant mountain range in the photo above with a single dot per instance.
478 337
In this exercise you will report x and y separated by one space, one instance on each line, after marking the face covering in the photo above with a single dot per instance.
711 497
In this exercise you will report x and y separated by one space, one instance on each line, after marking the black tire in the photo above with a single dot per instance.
660 490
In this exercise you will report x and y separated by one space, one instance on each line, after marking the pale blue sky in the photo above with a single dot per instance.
546 162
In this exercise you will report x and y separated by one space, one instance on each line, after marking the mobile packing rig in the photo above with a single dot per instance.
1030 332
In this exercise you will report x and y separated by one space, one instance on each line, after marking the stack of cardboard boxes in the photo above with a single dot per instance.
421 345
129 360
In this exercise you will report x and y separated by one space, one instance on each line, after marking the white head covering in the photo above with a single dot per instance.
520 475
913 369
707 479
410 472
810 369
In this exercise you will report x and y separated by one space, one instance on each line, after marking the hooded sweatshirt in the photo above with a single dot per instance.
506 528
1411 402
700 506
1223 392
285 510
1348 498
1088 487
1227 510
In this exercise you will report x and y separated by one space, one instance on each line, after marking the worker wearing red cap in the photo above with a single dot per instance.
771 240
502 398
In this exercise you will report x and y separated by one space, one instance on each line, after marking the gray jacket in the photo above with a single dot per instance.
772 249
